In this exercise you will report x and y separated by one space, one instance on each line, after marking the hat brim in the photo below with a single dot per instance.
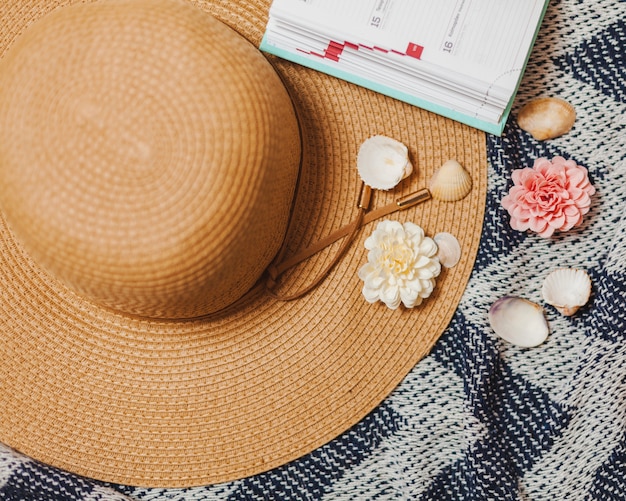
157 403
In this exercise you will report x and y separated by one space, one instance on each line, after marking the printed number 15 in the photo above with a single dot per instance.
375 21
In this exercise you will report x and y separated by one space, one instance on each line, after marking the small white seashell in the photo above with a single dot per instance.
451 182
567 289
546 117
383 162
518 321
449 249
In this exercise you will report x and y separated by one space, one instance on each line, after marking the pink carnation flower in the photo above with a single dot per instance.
553 195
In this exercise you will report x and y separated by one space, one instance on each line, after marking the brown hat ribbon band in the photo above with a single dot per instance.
348 232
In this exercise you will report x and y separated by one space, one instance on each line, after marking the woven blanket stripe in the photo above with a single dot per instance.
479 419
22 479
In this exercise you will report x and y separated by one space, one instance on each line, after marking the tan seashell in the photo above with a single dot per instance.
567 289
546 117
449 249
451 182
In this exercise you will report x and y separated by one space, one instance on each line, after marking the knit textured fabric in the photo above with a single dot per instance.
480 419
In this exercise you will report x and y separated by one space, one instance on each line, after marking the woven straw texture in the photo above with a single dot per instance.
478 419
110 117
163 403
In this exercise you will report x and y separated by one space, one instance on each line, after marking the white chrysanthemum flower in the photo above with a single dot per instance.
402 265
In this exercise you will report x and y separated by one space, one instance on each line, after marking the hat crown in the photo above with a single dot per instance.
150 155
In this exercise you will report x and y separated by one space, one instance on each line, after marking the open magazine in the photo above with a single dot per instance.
462 59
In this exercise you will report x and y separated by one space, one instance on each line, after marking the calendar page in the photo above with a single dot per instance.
466 55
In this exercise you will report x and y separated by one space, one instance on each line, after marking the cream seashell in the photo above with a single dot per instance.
451 182
519 321
546 117
567 289
383 162
449 249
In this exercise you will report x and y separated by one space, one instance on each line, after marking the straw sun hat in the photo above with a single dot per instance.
153 165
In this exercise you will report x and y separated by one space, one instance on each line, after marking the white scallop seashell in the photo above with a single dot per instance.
449 249
546 117
383 162
567 289
518 321
451 182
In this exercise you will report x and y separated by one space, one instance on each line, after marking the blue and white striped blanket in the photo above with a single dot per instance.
479 419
